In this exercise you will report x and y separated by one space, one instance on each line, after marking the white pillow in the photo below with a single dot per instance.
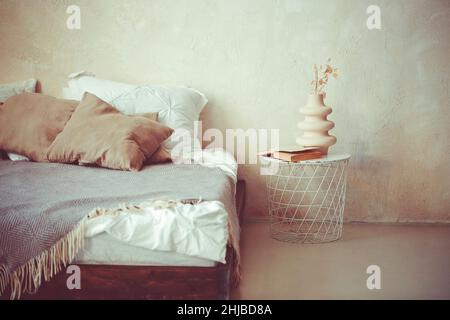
11 89
177 107
80 82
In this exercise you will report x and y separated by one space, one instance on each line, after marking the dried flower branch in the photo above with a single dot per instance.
318 84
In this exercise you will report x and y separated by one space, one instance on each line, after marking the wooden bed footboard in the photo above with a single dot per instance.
148 282
143 282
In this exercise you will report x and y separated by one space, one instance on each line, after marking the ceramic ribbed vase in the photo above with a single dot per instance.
315 126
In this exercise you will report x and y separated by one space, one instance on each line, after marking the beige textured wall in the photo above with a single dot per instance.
252 58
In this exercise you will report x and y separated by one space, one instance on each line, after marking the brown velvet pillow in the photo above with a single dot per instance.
29 122
161 155
97 133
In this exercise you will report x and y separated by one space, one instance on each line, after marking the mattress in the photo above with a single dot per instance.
104 249
51 192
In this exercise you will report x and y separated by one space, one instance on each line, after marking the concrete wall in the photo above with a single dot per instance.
252 58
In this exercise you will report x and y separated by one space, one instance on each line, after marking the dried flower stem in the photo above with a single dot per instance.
318 84
316 78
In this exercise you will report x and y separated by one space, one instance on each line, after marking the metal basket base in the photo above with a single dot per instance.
307 199
306 232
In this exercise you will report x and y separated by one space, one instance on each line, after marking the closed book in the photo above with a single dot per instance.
296 154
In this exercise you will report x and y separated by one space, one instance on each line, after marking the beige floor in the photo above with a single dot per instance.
414 262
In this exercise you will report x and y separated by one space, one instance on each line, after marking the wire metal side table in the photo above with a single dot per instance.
307 198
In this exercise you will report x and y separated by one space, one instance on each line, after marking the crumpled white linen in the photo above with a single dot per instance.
199 230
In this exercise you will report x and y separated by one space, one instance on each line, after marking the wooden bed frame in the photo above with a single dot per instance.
147 282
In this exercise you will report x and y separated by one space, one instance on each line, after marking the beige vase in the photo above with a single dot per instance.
315 126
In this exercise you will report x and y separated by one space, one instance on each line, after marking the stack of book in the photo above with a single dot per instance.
294 154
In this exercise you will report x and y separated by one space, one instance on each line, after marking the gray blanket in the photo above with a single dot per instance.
41 203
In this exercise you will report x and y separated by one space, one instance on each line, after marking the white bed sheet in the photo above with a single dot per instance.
104 249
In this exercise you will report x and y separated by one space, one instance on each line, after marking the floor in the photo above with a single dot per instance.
414 263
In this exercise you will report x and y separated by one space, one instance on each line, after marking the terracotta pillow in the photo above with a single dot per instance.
97 133
30 122
161 155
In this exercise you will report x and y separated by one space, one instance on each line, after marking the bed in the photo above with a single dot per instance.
126 272
147 229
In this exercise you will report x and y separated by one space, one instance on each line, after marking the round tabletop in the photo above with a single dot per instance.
332 157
